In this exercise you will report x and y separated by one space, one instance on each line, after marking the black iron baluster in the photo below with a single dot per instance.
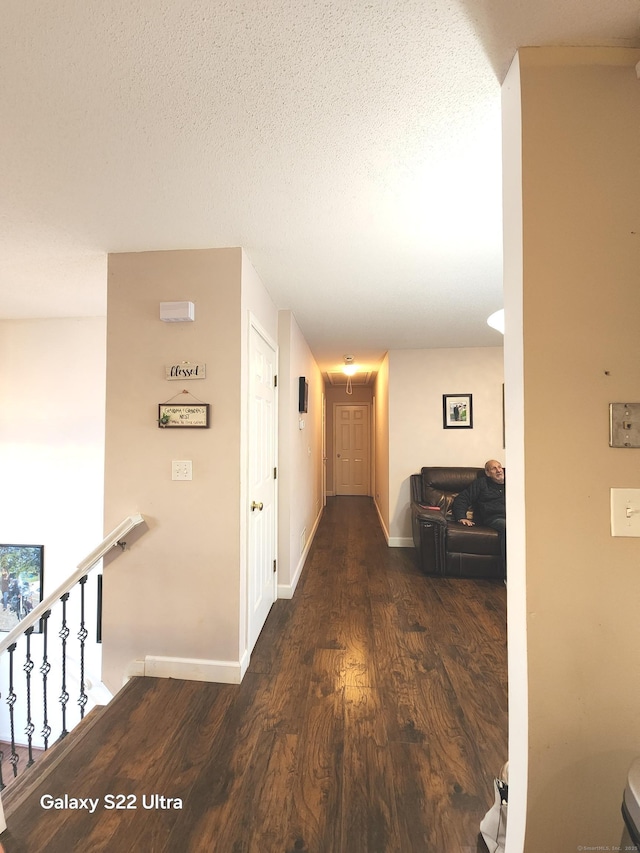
99 609
64 635
45 669
11 701
28 668
82 636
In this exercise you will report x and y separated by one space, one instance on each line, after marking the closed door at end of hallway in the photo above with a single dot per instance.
352 449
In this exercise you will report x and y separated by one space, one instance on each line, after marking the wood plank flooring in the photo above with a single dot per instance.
372 719
23 758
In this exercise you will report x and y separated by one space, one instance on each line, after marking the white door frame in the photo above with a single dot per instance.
372 450
255 326
324 449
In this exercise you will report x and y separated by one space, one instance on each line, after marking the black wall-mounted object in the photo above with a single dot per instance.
303 395
99 611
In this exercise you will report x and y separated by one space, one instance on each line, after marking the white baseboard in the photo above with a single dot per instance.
245 660
134 669
393 541
400 542
382 524
192 669
287 590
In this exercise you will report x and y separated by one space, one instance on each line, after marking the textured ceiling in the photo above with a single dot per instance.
352 147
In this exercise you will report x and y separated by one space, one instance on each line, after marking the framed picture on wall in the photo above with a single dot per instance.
183 415
457 411
21 571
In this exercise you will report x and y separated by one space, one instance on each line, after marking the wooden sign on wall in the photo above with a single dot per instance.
183 415
186 370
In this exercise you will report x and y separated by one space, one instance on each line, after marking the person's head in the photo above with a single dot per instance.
494 471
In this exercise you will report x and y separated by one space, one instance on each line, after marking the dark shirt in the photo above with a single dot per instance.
486 497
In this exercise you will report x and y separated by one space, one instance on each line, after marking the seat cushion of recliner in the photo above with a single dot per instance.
472 540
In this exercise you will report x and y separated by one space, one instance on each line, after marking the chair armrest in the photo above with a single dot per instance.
421 509
429 529
432 514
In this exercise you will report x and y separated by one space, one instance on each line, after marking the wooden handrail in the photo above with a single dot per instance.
83 568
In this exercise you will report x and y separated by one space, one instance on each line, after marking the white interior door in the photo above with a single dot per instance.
262 580
352 462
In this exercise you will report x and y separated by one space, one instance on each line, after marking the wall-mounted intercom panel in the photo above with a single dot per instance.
624 424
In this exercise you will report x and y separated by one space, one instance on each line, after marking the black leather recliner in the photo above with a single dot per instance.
446 547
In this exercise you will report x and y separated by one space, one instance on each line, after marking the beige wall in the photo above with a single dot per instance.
417 381
52 450
381 443
580 258
300 498
180 591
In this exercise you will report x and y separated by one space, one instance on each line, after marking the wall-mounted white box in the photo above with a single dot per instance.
177 312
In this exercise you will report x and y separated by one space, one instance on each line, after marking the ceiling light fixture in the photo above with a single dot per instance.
496 321
349 369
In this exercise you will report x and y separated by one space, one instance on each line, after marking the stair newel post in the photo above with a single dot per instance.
64 635
11 701
28 669
82 636
45 669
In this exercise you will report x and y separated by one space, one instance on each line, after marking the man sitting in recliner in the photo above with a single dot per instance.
486 496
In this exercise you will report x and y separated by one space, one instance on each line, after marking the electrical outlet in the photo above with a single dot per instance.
181 469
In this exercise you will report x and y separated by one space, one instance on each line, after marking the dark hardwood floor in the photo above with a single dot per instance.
372 719
23 758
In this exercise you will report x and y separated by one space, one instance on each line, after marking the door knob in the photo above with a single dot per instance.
254 505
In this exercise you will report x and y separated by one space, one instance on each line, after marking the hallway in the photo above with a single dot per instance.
372 719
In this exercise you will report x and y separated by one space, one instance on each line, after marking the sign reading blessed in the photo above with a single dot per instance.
186 370
183 415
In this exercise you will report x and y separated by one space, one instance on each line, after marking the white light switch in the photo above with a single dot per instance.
181 469
625 512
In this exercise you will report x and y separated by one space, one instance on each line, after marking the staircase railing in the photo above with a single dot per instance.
41 616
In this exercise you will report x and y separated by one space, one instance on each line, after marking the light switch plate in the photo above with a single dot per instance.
181 469
625 512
